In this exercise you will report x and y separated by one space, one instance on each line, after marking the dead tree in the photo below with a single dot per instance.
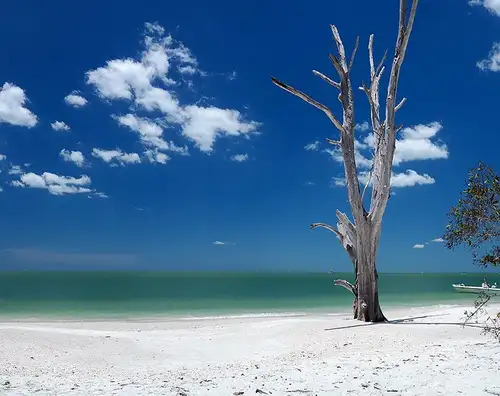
361 238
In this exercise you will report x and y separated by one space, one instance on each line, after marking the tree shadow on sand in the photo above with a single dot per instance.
410 321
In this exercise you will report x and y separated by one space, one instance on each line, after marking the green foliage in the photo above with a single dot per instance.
475 220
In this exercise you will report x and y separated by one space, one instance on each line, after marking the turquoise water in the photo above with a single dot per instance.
132 294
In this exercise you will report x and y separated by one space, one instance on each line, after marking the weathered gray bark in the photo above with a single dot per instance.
361 238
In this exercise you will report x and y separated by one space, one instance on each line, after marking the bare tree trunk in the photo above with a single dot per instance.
361 238
369 309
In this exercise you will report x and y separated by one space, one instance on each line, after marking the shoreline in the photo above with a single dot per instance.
327 354
228 314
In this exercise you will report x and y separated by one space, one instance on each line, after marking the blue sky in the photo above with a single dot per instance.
150 135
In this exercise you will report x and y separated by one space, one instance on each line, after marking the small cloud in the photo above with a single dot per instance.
73 156
55 184
363 127
239 157
418 246
2 157
314 146
187 69
309 183
492 6
12 110
220 243
99 195
154 156
59 126
338 182
438 240
15 170
116 156
492 62
75 100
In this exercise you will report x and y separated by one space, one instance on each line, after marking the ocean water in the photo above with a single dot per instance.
151 294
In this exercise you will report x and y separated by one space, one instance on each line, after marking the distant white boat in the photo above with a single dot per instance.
490 290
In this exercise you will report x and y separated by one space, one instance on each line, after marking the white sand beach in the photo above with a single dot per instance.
424 351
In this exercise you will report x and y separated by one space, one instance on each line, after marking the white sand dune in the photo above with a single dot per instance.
430 354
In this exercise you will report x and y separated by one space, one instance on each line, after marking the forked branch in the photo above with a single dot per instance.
328 227
327 79
311 101
351 62
346 285
385 152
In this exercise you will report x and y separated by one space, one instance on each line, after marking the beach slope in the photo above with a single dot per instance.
423 351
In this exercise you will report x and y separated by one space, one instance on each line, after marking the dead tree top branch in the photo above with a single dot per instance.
361 239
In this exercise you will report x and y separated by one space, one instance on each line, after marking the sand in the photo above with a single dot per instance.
424 351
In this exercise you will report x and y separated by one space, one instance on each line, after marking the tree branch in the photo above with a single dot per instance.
346 233
366 185
348 226
384 156
340 47
327 79
380 66
347 139
334 142
311 101
354 53
372 93
403 101
328 227
346 285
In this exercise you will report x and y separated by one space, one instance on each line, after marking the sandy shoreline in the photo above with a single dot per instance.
424 351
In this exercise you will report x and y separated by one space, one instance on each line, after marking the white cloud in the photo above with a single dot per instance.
203 124
12 110
188 69
150 133
361 161
418 246
416 144
492 6
220 243
157 157
409 178
309 183
338 182
15 170
3 157
116 156
73 156
492 63
148 83
60 126
363 127
438 240
314 146
239 157
56 185
75 100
